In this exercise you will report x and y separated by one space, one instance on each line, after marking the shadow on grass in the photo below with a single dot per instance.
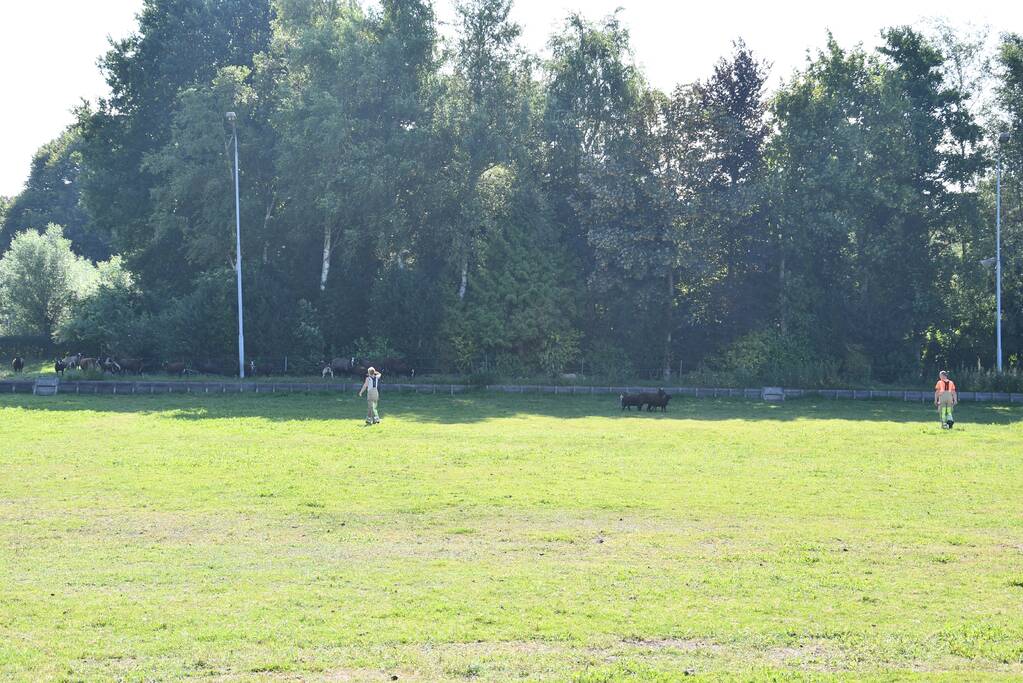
479 407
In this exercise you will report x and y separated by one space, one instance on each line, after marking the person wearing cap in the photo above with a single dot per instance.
372 388
945 399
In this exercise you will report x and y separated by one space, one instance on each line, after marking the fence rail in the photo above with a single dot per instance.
113 387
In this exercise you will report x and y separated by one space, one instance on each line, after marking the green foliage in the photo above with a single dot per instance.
973 379
771 357
468 202
52 194
201 325
608 360
559 349
41 281
374 348
112 319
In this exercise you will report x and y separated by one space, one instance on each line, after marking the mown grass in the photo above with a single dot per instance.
501 537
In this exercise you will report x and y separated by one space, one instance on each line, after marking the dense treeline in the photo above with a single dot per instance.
467 205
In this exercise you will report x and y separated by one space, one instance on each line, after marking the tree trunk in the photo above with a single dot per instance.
465 278
327 249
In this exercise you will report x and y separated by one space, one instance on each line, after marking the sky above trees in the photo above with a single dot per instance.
51 47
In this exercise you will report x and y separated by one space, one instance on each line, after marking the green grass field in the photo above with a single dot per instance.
506 537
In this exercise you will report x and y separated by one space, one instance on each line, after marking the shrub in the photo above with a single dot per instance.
973 379
375 348
510 365
608 360
560 349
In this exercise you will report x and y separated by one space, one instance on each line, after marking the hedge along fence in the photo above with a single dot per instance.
184 387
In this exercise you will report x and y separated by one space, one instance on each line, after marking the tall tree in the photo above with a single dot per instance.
52 194
41 279
179 44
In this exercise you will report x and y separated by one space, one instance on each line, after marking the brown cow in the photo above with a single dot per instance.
18 364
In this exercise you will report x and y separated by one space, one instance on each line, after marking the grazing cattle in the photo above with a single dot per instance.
72 361
326 370
658 400
18 364
174 368
59 367
629 400
89 364
132 365
110 365
395 367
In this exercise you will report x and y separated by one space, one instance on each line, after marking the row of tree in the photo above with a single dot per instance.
455 201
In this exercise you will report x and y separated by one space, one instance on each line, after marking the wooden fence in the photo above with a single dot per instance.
124 388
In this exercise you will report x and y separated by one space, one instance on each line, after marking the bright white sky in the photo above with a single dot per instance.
49 48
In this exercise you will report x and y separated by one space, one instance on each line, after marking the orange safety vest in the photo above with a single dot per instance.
945 385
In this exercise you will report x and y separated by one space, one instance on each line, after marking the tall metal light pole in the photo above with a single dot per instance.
231 116
1002 139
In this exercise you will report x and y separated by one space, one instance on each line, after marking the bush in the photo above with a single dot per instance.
770 357
482 379
375 348
510 365
608 360
973 379
560 349
111 320
27 346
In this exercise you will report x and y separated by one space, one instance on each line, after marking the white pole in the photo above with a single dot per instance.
238 259
998 252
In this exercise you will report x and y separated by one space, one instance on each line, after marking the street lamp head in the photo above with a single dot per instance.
1003 138
231 116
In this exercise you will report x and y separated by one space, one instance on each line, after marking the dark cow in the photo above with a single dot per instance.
18 364
132 365
629 400
175 368
658 400
59 367
395 367
342 366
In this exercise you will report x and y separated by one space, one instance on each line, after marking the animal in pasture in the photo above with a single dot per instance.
658 400
71 361
18 364
326 370
59 367
132 365
627 401
110 365
89 364
175 368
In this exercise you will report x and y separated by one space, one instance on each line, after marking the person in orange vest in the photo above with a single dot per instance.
945 399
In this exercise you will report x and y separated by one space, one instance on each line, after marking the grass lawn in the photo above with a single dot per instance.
501 537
